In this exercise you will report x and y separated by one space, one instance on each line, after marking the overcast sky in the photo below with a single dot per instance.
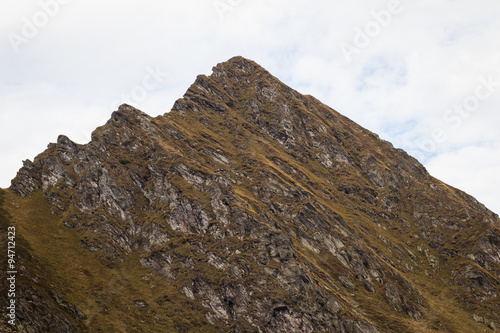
424 75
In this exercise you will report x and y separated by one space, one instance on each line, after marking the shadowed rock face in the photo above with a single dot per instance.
260 210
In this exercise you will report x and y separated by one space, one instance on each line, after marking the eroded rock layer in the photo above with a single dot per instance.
247 208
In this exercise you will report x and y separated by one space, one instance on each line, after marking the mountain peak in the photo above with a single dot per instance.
238 63
237 73
239 70
248 208
128 108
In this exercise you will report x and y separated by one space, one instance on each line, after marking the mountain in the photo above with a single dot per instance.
248 207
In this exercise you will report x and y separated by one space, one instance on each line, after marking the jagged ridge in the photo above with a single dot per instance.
262 209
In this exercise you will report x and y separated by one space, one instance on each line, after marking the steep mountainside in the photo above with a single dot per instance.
247 208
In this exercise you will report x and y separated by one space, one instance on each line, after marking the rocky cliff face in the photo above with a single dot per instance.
247 208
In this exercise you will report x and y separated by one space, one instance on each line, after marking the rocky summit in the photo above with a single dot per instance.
248 207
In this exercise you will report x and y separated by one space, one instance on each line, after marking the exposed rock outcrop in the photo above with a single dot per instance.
264 210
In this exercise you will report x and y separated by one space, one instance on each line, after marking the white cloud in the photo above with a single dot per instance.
473 169
429 57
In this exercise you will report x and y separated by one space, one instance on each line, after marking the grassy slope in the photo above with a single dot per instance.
106 296
441 307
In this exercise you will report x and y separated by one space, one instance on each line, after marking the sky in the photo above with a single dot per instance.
424 75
